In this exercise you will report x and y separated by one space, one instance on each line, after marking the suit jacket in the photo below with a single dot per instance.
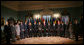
54 27
76 28
58 27
40 27
44 27
13 30
22 27
35 27
7 30
30 27
26 27
66 27
49 27
62 27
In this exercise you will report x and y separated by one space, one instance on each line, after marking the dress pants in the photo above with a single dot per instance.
76 36
26 33
8 39
22 34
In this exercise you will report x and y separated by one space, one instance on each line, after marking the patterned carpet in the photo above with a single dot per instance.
46 40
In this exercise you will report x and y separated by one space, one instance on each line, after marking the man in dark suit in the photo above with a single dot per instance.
54 29
58 28
62 30
40 29
22 30
67 30
81 25
76 29
30 29
44 28
8 31
13 36
35 29
49 28
26 29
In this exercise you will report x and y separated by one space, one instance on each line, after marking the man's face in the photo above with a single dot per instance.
76 21
25 21
34 22
39 23
48 23
53 22
62 23
21 22
44 22
29 23
58 22
6 23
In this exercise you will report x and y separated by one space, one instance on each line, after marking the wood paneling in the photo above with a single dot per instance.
32 5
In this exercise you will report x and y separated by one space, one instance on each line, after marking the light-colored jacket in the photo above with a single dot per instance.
17 28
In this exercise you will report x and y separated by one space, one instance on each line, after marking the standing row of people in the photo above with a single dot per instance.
43 29
22 30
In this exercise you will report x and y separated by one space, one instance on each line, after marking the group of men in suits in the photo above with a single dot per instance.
41 28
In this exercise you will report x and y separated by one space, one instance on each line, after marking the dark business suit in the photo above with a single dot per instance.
76 30
35 30
22 31
67 30
54 29
58 29
40 29
47 31
30 30
62 32
49 28
44 30
13 35
7 31
26 30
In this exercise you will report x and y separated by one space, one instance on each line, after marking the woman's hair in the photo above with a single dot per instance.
15 23
21 21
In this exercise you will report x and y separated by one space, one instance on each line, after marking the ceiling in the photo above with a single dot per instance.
36 5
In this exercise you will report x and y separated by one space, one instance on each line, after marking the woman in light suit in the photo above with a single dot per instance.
17 28
70 30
